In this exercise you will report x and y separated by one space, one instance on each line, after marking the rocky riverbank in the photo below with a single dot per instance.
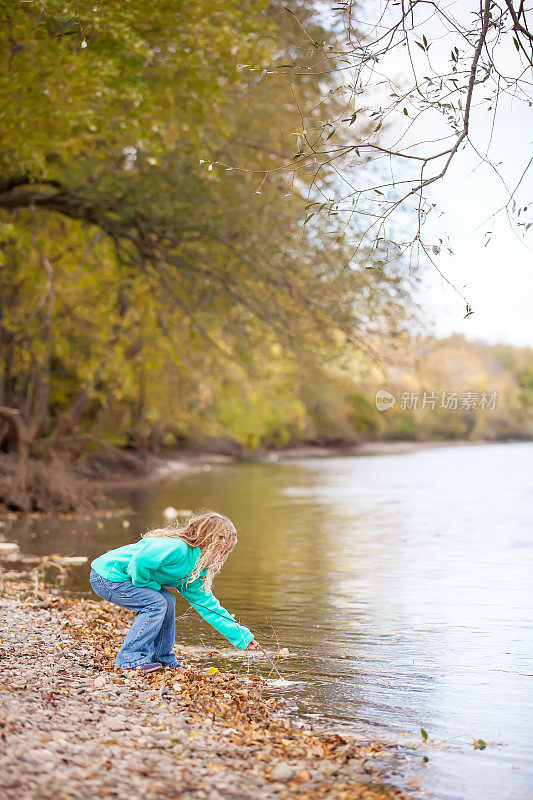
73 728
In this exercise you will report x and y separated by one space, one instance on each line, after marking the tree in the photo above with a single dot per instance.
404 69
145 281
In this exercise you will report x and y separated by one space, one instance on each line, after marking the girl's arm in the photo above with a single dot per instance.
206 604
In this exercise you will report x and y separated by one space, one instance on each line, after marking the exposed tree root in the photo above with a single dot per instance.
50 485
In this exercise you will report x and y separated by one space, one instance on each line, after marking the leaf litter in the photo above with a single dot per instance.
217 731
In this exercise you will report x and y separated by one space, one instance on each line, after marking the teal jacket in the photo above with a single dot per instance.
164 561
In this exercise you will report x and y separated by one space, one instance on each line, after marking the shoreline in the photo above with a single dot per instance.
75 728
177 464
89 486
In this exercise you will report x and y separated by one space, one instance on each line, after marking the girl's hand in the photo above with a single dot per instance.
253 645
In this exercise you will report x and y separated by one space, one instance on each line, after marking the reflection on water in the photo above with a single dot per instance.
402 583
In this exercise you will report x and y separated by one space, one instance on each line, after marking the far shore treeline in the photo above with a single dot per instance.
161 284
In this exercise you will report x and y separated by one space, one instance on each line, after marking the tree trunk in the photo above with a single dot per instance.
16 485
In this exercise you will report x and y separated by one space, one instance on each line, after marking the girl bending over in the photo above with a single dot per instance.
186 559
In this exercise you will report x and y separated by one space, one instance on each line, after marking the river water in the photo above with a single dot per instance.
401 584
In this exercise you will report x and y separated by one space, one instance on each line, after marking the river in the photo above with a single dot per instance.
401 584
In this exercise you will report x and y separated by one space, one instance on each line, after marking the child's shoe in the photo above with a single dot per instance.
148 666
174 666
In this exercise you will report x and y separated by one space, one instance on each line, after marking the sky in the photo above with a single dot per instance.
496 279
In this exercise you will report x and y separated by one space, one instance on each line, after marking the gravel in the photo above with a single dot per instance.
68 731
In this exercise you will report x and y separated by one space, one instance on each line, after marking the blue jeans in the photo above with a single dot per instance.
153 634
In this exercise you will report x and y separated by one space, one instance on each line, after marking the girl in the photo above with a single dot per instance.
186 559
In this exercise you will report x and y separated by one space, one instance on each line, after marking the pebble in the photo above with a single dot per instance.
117 725
282 772
327 766
70 732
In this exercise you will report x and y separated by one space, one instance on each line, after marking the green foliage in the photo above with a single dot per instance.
525 382
405 426
157 283
454 365
150 72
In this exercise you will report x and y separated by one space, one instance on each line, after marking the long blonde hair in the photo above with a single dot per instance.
212 532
